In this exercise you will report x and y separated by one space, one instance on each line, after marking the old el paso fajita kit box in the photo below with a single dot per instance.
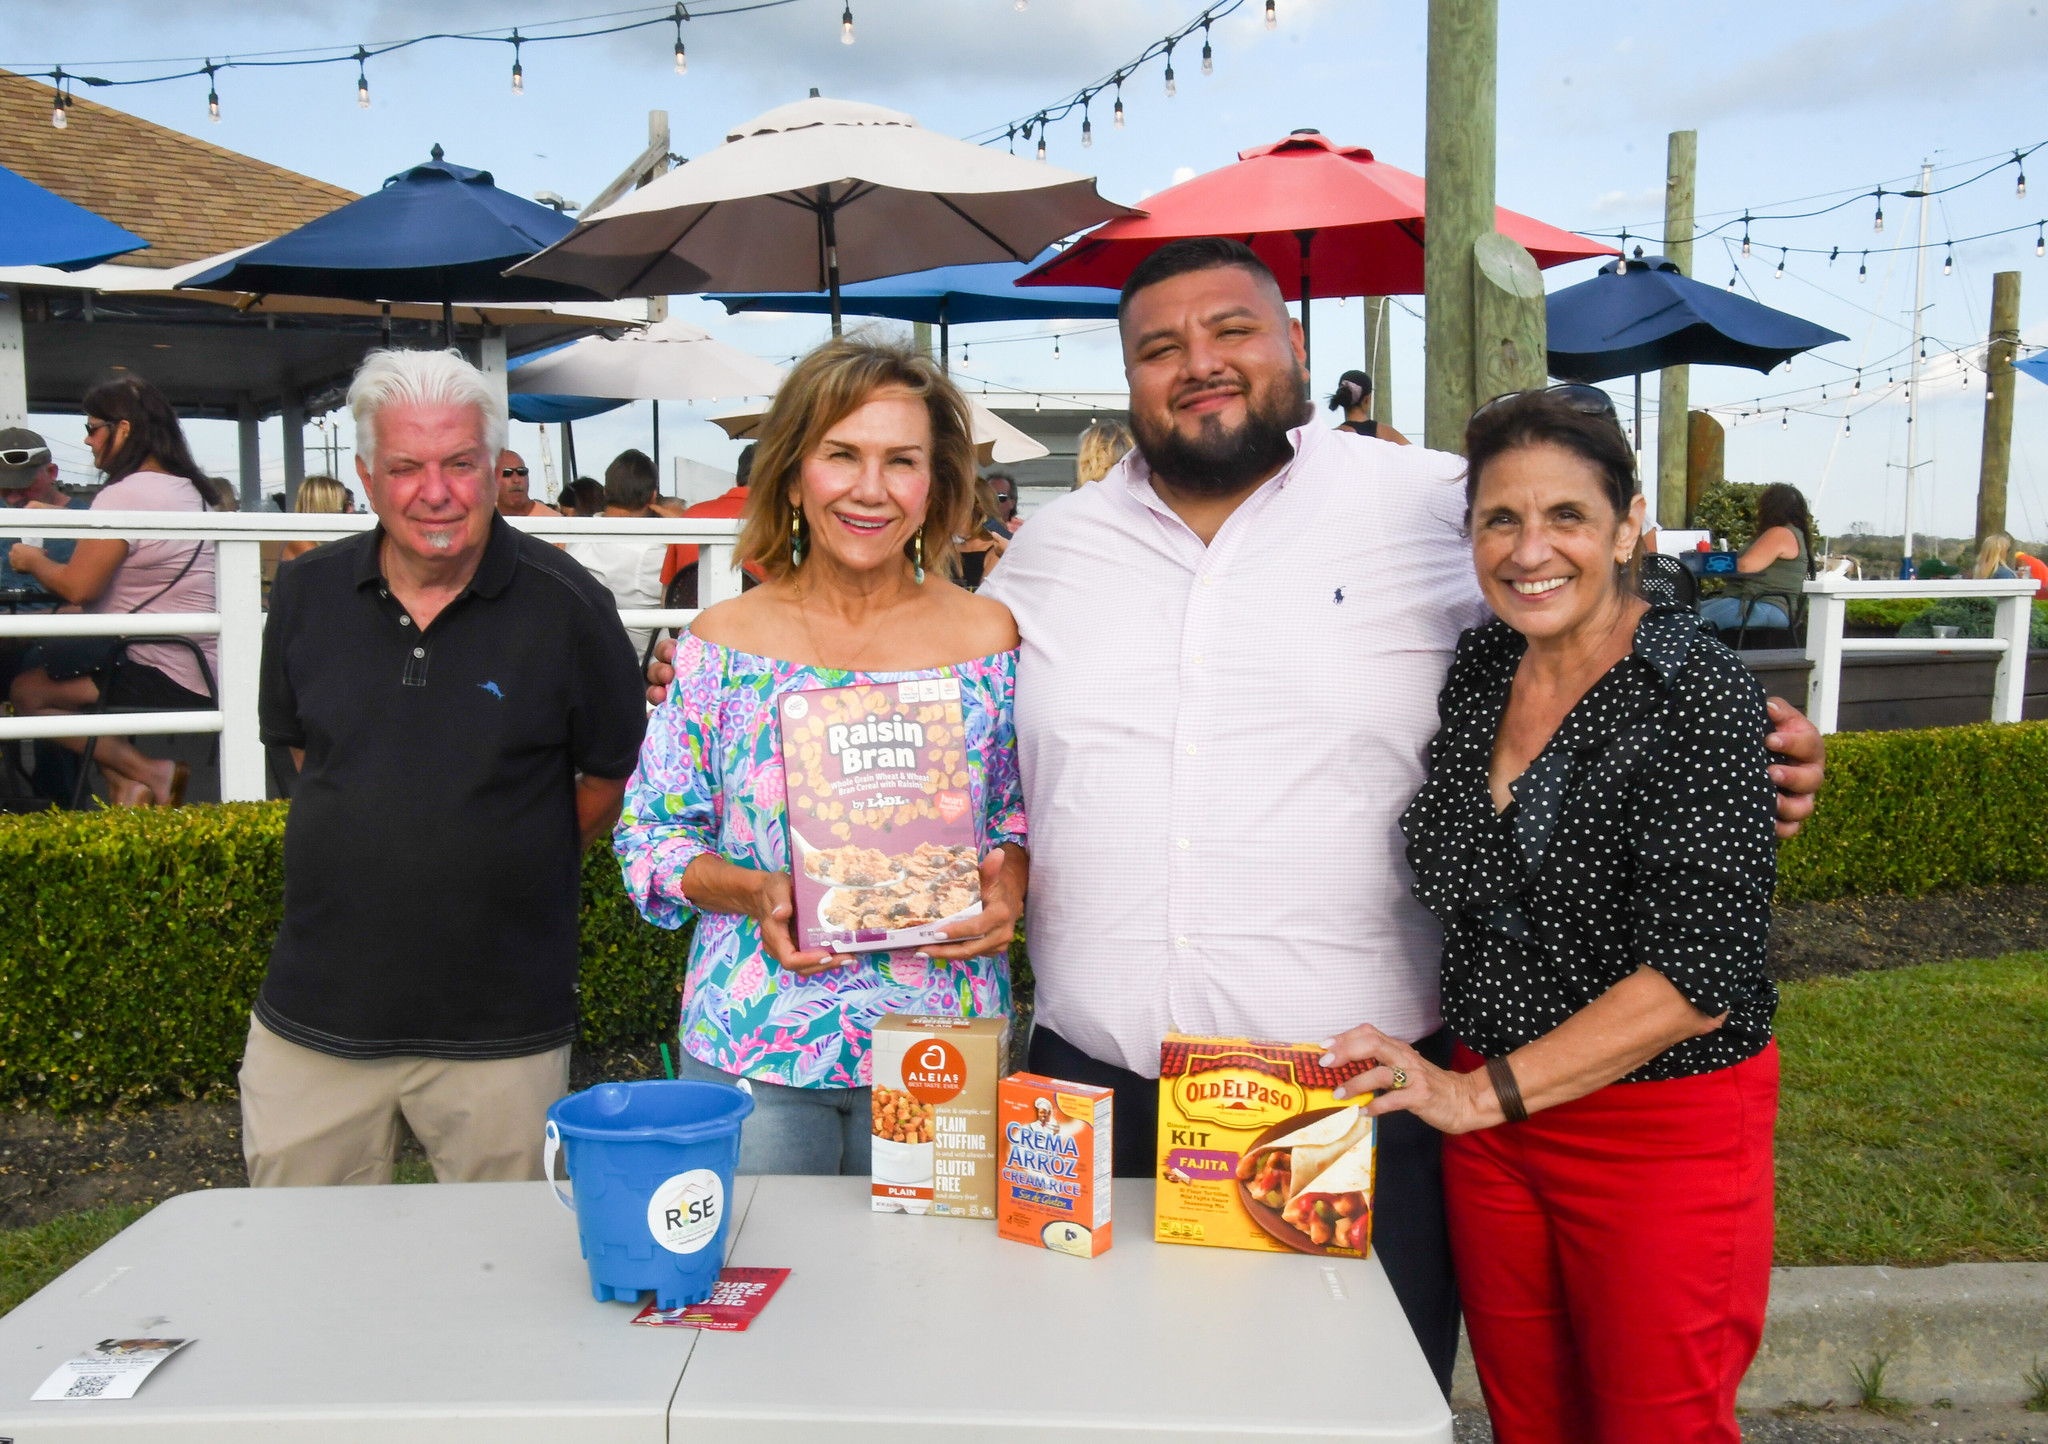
1053 1164
883 849
934 1114
1255 1152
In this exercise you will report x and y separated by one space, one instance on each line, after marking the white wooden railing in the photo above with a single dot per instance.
1827 599
238 623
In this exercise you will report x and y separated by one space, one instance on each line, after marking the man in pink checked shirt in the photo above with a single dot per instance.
1232 649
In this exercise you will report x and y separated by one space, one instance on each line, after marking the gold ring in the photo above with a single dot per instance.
1400 1078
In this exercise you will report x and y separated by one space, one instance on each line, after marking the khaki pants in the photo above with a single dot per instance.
311 1119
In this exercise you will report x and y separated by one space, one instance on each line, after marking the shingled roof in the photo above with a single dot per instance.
187 198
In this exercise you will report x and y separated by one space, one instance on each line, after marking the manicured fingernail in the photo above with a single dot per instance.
1329 1060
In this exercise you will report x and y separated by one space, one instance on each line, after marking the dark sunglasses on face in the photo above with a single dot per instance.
24 456
513 471
1588 400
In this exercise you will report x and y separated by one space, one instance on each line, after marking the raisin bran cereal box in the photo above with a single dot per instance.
1052 1187
883 844
933 1110
1255 1152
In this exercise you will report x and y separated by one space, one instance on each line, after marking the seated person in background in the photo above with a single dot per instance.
320 494
28 479
1353 397
582 497
1995 558
682 556
1006 521
1102 446
629 570
981 548
515 497
1771 569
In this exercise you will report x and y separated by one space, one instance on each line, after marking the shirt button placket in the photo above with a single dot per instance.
1187 807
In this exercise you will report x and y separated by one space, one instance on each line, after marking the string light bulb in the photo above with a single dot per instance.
1731 278
1055 348
2037 241
1834 253
1779 274
2020 190
682 58
1858 387
1117 116
362 80
1785 420
1087 128
1171 90
212 95
1878 224
1272 17
1863 269
1208 55
1745 235
846 26
1948 262
58 118
1041 137
518 70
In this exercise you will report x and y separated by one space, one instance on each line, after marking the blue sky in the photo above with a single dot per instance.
1817 100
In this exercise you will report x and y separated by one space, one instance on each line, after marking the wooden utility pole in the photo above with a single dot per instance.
1998 388
1458 158
1509 325
1379 358
1674 397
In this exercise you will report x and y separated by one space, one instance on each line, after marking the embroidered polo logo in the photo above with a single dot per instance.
492 688
1340 596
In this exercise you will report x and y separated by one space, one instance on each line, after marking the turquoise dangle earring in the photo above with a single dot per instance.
917 561
796 538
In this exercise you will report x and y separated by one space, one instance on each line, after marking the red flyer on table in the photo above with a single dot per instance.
737 1297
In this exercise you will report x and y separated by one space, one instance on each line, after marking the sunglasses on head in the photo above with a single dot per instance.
1587 400
24 456
512 471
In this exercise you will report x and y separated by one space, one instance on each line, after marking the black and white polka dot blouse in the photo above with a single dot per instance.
1641 835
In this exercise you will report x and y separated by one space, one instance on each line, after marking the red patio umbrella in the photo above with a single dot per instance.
1298 200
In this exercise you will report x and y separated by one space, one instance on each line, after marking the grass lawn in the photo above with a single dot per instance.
1913 1127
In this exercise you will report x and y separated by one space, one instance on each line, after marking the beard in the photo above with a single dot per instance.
1217 461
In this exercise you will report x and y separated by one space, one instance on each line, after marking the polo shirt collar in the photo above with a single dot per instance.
493 573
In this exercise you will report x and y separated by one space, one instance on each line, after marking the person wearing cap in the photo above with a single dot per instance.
1353 397
28 478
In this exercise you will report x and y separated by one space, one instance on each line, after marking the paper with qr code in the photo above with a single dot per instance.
111 1369
736 1299
883 841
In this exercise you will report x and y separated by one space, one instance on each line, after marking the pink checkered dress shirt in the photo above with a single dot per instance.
1217 744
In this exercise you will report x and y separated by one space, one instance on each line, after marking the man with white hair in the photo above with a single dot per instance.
464 708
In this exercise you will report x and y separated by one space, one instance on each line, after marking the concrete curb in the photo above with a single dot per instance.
1963 1332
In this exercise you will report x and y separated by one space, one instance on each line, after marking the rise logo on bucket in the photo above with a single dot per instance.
684 1212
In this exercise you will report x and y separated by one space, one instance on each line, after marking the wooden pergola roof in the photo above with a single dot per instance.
187 198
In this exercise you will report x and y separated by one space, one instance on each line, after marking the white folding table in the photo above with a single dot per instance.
463 1313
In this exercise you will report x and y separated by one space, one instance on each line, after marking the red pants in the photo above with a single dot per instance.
1614 1257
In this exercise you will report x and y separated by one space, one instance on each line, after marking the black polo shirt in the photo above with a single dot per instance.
432 878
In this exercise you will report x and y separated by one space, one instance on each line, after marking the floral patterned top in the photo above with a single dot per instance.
710 780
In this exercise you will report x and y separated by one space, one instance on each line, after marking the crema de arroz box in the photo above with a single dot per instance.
1054 1164
933 1108
1256 1153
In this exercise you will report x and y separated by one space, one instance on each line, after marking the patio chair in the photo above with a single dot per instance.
1793 635
118 656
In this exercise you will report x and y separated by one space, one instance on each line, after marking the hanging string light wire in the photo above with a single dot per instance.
1160 48
188 68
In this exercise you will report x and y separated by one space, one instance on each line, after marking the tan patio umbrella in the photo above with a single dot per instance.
818 193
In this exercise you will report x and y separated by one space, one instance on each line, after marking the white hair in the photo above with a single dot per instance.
423 378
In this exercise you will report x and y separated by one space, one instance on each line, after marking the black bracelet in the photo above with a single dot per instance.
1506 1090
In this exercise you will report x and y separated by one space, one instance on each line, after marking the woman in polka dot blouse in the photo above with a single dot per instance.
1596 837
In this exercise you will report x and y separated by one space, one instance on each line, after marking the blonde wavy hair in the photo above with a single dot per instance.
1102 446
320 494
1995 552
825 388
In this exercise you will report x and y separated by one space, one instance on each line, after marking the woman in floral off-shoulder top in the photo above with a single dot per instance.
863 476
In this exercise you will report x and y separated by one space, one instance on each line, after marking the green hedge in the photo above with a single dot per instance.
1920 811
132 944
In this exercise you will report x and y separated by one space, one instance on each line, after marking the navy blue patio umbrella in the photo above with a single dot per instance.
944 296
41 228
438 232
1641 314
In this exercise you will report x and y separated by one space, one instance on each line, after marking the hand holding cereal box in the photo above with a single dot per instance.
1256 1152
883 842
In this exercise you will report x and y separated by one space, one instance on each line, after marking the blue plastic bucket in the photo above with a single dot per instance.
651 1165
